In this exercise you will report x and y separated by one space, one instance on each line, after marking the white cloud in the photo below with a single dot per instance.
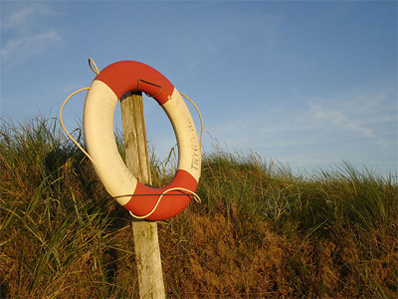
24 46
340 120
371 115
25 32
23 18
358 127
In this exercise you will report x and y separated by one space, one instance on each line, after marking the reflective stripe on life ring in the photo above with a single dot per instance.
99 109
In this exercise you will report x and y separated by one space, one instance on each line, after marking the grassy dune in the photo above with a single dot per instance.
260 231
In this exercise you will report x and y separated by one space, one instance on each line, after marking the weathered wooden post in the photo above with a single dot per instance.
146 244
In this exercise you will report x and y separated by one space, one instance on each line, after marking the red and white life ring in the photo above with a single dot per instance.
99 109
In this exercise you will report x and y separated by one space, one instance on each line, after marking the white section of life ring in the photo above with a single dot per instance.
99 111
186 135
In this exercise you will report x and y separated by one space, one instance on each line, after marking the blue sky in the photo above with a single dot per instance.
305 83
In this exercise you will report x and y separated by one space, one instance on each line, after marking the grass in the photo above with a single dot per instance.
260 231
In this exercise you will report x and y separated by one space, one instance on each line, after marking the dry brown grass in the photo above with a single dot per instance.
260 232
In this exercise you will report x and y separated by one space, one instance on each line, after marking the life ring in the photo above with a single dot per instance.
99 109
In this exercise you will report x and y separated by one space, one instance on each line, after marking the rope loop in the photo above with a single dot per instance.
93 66
64 128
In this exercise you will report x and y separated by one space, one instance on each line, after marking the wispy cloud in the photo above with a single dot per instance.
340 120
25 33
22 18
23 46
371 115
357 126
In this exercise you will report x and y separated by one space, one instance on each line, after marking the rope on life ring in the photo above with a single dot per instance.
106 89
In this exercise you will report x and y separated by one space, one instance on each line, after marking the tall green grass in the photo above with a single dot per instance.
260 232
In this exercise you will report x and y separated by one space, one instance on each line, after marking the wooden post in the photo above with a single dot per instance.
146 243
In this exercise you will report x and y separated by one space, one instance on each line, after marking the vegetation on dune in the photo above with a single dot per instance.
260 231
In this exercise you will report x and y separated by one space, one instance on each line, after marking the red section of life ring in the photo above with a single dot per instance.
170 205
109 86
126 76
